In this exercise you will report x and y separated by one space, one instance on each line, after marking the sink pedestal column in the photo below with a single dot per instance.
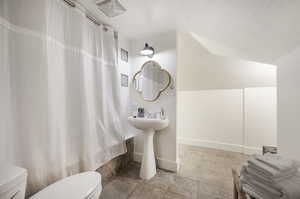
148 168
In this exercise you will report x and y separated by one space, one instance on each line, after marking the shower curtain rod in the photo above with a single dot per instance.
86 12
70 3
92 19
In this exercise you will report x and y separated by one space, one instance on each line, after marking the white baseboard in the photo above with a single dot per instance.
220 146
162 163
252 150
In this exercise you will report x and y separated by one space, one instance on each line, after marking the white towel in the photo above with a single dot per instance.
254 171
288 188
274 191
259 194
277 162
270 171
253 181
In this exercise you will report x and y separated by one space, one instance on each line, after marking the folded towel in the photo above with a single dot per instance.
287 188
274 191
261 183
258 194
254 171
252 192
290 187
270 171
277 162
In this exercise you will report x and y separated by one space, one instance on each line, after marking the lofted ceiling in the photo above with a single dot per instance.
257 30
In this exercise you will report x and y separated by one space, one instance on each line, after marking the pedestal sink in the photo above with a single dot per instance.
149 126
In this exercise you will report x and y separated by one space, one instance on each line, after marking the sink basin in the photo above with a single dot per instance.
149 126
146 123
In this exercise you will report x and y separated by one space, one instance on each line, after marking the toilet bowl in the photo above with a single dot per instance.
85 185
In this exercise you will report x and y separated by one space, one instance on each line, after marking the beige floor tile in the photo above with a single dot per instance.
211 168
163 179
214 189
144 191
184 186
170 195
118 189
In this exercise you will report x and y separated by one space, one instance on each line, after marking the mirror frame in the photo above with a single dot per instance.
162 90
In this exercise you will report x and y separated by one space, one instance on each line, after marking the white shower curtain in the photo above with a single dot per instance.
60 91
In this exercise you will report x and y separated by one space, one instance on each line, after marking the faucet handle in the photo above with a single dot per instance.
162 113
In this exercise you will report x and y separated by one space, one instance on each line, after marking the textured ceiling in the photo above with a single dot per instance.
258 30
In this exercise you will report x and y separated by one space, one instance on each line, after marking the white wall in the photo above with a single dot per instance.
289 105
164 141
199 69
223 102
260 117
124 68
203 118
6 119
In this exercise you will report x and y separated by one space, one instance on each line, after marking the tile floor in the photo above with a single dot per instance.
204 174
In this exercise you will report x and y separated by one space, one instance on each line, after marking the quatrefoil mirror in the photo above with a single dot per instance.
151 81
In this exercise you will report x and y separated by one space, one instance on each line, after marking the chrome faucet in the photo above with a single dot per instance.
162 114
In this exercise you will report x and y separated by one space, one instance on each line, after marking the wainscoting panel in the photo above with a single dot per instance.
260 116
239 120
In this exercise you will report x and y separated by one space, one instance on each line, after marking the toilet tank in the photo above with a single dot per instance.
12 182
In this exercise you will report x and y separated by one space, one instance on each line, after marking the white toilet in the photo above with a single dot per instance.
81 186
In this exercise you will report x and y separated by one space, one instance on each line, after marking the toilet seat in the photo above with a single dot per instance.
81 186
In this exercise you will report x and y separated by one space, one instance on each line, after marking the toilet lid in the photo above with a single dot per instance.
78 186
